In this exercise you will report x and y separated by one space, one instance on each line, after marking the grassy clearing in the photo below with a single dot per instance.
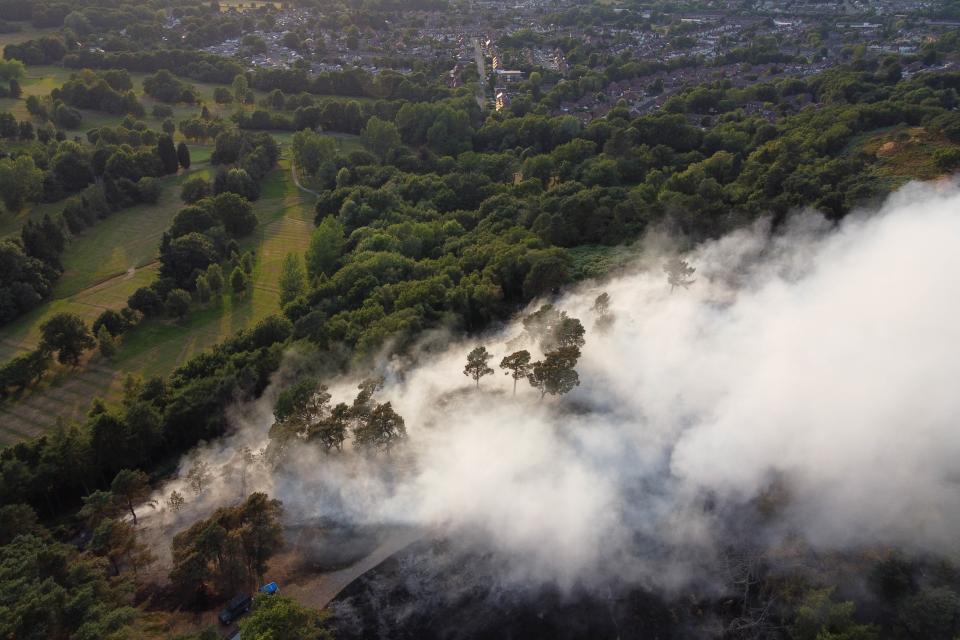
157 346
126 240
905 153
27 32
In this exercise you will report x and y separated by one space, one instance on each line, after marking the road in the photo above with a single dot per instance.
319 591
482 71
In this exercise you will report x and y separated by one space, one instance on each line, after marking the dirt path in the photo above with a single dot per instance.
319 591
296 178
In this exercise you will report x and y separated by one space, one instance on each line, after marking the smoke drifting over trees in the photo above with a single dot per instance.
818 365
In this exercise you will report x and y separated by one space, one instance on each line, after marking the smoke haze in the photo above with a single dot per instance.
819 364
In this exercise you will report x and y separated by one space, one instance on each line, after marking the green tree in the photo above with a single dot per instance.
229 549
116 540
262 533
932 613
601 305
331 431
380 137
326 247
238 280
183 155
185 255
130 487
477 364
17 520
11 69
568 333
451 133
168 154
106 341
240 87
236 214
146 301
381 429
222 95
176 501
54 591
678 273
178 303
820 618
246 262
194 190
198 476
67 335
517 366
277 616
292 281
240 181
20 182
215 278
555 374
97 506
202 289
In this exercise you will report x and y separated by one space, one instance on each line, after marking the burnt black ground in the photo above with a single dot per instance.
429 592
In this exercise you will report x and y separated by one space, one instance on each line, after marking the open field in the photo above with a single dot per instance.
27 32
105 264
157 346
905 153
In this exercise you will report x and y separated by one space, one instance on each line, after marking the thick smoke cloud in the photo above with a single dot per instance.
817 364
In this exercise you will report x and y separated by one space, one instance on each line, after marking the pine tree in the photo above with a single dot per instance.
106 341
168 154
183 155
477 364
678 273
517 366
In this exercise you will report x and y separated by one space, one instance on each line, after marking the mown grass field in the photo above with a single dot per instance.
97 278
104 265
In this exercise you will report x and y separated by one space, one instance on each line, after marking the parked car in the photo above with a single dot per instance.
235 635
235 608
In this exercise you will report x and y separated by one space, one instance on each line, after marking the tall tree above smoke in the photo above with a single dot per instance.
517 366
555 374
130 488
678 273
382 429
601 307
551 328
477 364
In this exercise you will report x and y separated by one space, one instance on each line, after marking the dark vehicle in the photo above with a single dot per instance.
236 608
234 636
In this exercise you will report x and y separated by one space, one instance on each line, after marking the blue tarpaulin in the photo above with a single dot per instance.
270 588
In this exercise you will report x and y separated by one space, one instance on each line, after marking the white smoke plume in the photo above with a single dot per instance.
824 360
